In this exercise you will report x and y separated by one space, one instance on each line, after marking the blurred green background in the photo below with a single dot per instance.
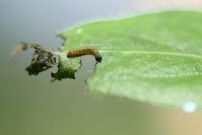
34 106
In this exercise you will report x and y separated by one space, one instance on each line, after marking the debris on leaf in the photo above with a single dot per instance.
44 59
41 61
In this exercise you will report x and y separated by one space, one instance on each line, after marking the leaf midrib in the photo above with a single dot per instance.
155 53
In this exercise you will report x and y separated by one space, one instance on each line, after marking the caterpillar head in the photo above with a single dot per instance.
98 58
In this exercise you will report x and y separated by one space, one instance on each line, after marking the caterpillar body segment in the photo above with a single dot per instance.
85 51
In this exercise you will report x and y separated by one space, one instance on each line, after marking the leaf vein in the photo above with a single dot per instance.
155 53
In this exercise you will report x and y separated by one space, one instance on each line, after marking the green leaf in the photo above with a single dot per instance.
154 58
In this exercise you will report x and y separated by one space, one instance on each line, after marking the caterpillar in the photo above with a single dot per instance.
85 51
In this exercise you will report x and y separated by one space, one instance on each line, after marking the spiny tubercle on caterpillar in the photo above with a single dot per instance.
85 51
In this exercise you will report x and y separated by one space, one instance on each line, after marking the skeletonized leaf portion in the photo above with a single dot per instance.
155 58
